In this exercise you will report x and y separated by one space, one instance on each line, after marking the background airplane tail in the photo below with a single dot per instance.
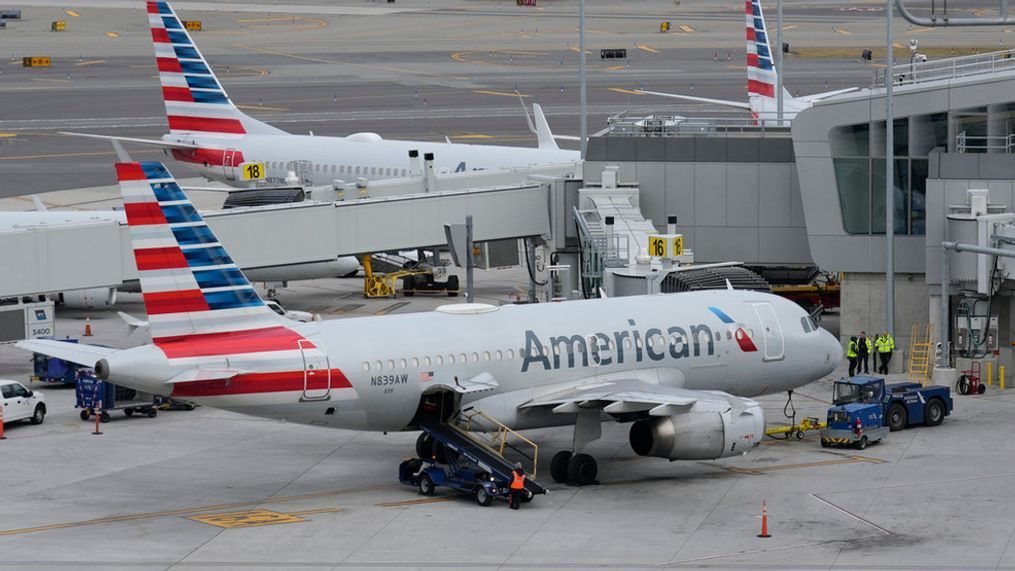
190 284
195 101
761 76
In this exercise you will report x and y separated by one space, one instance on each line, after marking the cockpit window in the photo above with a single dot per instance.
808 324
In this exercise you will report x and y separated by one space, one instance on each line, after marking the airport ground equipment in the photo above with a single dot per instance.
382 285
902 404
428 282
462 460
95 396
797 430
854 424
970 382
53 370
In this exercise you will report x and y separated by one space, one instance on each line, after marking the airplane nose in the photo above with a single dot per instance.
832 347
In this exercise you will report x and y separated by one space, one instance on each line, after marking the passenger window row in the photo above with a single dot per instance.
347 169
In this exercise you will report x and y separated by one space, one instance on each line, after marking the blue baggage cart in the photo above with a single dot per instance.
95 396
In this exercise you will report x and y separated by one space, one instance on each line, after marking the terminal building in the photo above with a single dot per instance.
814 193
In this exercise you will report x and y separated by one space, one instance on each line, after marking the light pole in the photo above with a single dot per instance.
583 101
889 178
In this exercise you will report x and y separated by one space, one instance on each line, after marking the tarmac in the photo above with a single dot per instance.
415 69
207 489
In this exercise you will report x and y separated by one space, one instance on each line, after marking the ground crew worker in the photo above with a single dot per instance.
851 355
863 352
884 344
517 486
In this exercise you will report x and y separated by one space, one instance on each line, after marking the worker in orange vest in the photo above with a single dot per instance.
517 487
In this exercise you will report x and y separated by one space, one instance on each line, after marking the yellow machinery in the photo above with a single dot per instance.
664 27
58 26
382 285
797 430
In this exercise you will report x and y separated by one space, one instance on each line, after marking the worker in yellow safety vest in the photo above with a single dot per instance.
884 345
517 488
851 354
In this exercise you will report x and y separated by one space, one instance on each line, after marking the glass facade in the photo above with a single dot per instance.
858 155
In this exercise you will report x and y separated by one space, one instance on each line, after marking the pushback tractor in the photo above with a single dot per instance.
902 404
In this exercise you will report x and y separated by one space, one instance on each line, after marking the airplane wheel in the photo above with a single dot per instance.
558 466
424 446
426 486
582 470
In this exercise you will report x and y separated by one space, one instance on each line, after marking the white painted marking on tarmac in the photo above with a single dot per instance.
850 514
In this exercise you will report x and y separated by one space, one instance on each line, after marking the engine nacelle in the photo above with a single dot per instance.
699 435
88 298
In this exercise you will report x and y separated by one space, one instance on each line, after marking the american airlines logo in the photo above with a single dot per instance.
618 347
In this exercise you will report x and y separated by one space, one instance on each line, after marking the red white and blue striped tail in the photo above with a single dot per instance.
761 77
190 284
195 101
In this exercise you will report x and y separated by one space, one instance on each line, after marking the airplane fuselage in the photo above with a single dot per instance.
369 373
362 155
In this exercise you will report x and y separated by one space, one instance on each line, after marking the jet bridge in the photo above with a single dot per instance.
90 254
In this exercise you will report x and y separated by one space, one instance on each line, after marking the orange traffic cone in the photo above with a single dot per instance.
88 327
764 520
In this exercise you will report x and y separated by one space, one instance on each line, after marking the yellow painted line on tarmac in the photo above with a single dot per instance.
921 30
626 91
388 309
89 62
415 502
501 93
645 48
734 66
790 27
686 29
112 34
616 68
295 23
802 465
261 108
51 79
71 13
317 511
6 135
898 45
575 50
366 65
842 31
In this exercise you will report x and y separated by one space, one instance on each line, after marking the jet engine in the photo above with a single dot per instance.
88 298
700 435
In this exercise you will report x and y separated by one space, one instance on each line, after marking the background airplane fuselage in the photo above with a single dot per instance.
362 155
380 366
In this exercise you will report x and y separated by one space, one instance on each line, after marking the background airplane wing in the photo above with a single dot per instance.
819 96
633 395
723 102
86 355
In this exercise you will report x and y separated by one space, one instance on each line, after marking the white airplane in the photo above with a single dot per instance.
209 132
679 367
761 79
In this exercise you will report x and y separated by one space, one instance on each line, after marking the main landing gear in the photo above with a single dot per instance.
577 468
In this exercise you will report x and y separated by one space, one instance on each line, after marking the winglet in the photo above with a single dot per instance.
543 133
729 286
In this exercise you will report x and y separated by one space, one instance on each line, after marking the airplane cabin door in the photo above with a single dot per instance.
316 371
228 164
771 332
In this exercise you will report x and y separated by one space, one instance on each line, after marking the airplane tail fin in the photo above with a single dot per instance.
190 284
761 75
543 133
195 101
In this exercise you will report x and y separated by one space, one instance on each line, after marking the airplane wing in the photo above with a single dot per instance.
633 395
723 102
153 142
826 94
86 355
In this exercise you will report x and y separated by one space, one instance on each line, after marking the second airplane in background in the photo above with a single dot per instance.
762 80
208 131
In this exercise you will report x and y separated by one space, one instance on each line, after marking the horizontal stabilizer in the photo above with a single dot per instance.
723 102
152 142
86 355
195 375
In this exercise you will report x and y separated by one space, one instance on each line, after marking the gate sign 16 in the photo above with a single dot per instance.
666 245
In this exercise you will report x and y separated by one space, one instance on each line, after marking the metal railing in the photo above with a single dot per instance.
494 434
965 143
676 126
948 68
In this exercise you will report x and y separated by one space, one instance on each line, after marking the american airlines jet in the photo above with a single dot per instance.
761 78
681 368
209 132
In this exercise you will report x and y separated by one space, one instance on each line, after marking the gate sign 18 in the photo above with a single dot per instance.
253 171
